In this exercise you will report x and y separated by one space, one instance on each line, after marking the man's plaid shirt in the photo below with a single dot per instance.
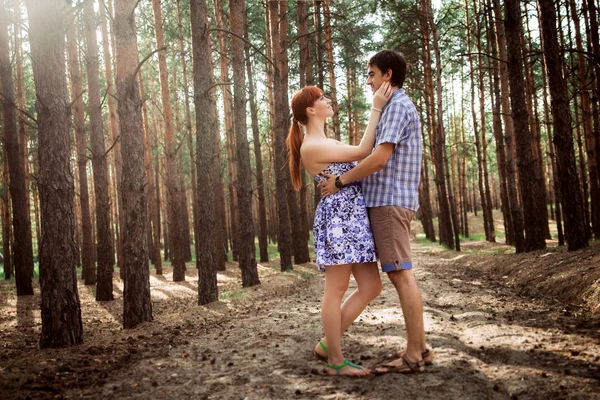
397 183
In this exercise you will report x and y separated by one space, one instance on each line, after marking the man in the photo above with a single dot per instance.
390 180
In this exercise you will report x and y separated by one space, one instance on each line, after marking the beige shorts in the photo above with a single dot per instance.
391 231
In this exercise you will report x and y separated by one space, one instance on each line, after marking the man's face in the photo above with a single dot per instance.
376 77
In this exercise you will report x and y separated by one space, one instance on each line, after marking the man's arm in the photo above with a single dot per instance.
373 163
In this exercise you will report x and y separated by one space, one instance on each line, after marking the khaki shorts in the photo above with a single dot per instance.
391 231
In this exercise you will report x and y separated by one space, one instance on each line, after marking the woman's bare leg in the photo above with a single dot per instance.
368 284
336 284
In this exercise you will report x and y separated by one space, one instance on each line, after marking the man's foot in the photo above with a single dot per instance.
347 369
401 365
321 351
427 356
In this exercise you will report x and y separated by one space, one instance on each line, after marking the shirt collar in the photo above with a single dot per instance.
396 94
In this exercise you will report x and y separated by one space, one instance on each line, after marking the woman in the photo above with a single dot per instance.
342 235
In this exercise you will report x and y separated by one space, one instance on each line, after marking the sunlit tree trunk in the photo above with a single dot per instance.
331 68
260 185
99 165
247 258
509 133
60 306
117 162
174 190
87 249
280 133
137 307
202 77
447 233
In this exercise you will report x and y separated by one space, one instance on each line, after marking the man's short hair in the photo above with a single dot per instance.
393 60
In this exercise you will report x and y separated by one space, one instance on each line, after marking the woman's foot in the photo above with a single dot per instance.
321 350
347 368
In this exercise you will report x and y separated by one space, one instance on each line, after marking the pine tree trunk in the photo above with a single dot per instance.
151 192
321 78
6 231
260 185
23 246
534 124
438 137
99 165
595 41
87 249
188 130
137 307
591 135
117 161
21 117
497 127
487 210
331 69
174 190
563 136
516 214
218 187
205 133
426 214
60 306
477 133
533 217
280 133
247 258
229 128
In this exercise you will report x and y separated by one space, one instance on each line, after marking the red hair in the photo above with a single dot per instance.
302 99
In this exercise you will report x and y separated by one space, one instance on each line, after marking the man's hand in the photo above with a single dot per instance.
328 187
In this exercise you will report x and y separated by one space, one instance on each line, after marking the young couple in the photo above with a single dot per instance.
366 206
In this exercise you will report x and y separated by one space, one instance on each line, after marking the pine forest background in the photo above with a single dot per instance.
136 134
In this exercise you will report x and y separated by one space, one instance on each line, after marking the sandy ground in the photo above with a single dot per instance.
490 342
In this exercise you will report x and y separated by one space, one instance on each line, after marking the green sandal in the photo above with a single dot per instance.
346 363
323 358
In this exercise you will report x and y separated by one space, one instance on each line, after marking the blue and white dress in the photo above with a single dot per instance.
342 233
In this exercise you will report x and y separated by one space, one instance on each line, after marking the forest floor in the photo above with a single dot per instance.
500 325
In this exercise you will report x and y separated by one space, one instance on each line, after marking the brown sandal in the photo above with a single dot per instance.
427 356
406 367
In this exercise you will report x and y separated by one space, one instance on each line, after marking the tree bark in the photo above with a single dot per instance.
516 214
260 184
533 217
247 258
229 126
280 133
331 69
487 210
174 194
438 137
497 127
205 133
60 306
563 136
22 244
6 231
88 271
117 161
137 306
104 234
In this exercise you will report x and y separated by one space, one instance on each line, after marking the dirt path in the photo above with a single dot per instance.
256 344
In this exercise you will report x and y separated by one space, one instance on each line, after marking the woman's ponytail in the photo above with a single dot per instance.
301 100
293 142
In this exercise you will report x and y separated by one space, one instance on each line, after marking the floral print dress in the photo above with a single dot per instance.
342 233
